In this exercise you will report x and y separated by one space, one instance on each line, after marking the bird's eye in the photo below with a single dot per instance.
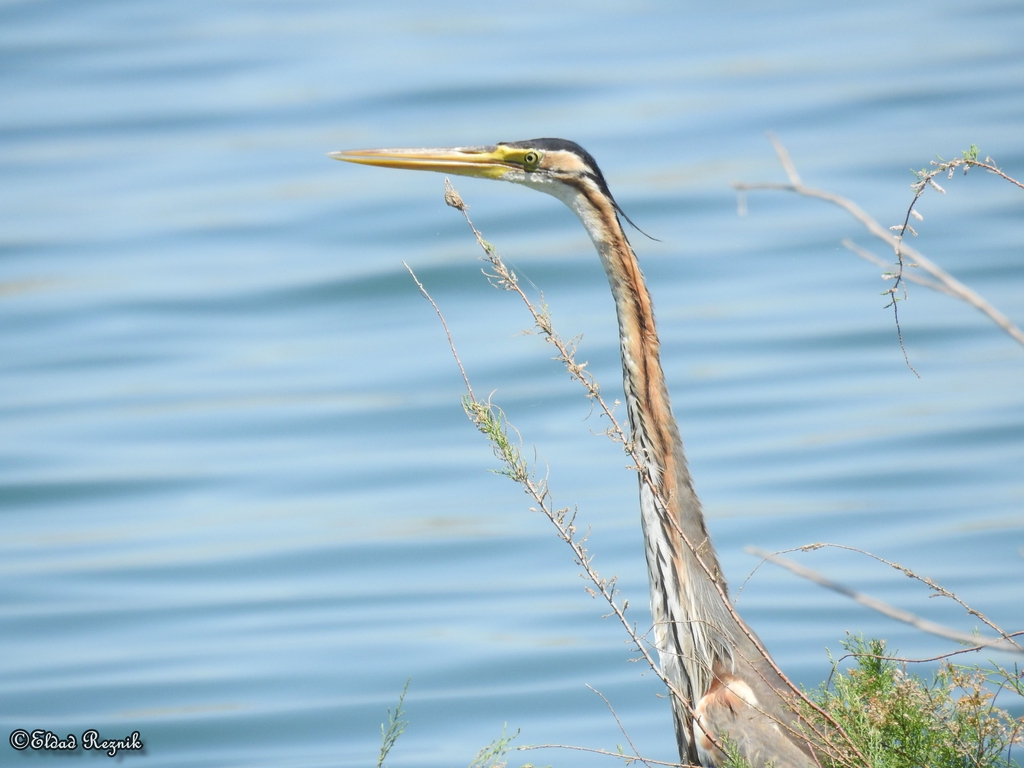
530 160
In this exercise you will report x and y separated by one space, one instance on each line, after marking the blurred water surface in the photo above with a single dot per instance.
240 502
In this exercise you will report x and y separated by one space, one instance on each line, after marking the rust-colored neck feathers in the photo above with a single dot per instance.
695 632
654 430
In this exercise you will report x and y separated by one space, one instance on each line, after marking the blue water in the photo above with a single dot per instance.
240 502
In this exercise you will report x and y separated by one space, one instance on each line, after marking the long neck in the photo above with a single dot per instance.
694 629
654 429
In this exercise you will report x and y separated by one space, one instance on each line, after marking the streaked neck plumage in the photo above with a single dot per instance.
694 630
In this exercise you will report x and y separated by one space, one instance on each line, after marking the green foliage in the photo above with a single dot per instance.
490 420
488 757
395 727
971 155
491 755
733 757
899 720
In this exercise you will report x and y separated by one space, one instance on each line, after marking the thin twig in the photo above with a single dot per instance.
451 344
958 289
867 255
627 758
785 159
1000 644
930 659
935 587
621 726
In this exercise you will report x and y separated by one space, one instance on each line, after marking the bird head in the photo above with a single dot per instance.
557 166
540 163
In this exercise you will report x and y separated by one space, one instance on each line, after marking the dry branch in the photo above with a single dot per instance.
951 286
998 644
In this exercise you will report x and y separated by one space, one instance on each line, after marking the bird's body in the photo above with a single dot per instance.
726 691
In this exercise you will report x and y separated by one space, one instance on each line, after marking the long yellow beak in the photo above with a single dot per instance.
482 162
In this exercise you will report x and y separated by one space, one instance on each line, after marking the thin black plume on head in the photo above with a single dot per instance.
571 146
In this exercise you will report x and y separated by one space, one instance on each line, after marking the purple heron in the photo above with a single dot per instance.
726 691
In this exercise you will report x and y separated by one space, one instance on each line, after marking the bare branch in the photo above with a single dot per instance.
784 158
930 659
447 333
627 758
999 644
621 726
911 276
901 250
